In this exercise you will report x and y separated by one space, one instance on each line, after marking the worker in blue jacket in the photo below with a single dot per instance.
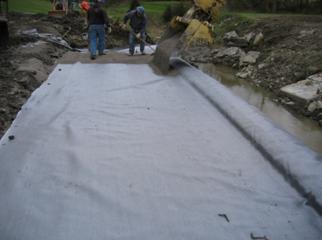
138 21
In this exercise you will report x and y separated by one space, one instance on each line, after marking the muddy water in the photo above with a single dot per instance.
303 128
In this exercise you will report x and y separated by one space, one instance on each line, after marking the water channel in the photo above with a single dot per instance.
299 126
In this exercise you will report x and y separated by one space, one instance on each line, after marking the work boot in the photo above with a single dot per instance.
143 53
102 53
93 57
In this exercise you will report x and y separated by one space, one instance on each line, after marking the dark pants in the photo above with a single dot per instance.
133 41
96 32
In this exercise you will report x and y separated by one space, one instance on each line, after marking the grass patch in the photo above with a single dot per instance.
229 21
30 6
256 16
154 9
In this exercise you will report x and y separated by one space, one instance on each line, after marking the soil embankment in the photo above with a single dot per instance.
28 59
271 53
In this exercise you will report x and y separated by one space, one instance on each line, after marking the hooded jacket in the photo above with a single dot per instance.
137 23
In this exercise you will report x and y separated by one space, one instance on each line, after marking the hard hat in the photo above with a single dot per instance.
140 9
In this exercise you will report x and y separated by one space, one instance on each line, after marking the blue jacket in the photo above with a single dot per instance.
137 23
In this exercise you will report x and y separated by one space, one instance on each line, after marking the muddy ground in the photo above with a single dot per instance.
289 48
27 60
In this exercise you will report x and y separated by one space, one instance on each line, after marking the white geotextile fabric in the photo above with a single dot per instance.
300 165
116 152
149 49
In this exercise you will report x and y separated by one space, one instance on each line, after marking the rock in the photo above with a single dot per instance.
246 72
305 33
306 90
258 39
262 66
314 106
249 37
249 58
230 55
319 117
231 39
320 123
231 35
229 52
242 75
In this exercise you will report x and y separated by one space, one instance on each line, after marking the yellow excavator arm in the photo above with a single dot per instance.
210 6
197 30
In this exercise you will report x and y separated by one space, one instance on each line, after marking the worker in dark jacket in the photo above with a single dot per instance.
97 20
138 23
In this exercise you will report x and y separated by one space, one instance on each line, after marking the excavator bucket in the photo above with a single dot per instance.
197 33
187 31
196 30
210 6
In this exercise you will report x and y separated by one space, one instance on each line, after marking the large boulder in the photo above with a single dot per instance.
229 55
232 39
305 91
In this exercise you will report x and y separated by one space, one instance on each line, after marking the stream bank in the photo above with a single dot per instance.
271 53
296 124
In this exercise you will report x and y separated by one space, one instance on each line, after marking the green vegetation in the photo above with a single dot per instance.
154 9
232 21
30 6
178 9
276 6
254 15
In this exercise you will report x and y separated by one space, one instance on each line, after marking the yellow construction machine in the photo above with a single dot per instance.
197 21
59 8
194 28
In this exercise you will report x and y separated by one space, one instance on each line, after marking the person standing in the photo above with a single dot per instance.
138 21
97 20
